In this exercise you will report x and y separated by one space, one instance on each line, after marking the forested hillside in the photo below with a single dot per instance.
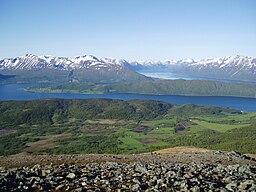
114 126
158 87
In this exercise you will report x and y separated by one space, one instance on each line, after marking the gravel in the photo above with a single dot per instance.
143 172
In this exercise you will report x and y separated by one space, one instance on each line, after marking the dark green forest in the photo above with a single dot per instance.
157 87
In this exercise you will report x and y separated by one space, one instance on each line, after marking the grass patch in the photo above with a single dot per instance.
217 126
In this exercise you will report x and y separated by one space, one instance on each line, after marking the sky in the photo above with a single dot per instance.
128 29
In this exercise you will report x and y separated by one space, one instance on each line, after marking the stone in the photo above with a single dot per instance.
195 189
135 187
235 153
213 186
159 182
78 189
71 176
45 172
25 187
152 175
59 187
140 168
244 169
85 171
253 187
231 186
244 185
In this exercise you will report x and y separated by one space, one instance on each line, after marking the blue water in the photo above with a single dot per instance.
15 92
171 76
167 75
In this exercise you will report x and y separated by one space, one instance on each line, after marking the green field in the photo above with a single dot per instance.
218 126
59 126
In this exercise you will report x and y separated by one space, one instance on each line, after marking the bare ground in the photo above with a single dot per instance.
5 132
148 140
181 150
172 155
45 143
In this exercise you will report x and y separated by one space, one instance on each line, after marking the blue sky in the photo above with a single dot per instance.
131 29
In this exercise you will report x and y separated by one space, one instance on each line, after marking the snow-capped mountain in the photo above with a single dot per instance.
158 65
229 67
29 62
82 68
145 65
162 63
230 63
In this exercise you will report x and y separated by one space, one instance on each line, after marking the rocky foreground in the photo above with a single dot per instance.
186 171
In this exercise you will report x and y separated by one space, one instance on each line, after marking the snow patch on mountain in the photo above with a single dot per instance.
237 63
30 61
229 66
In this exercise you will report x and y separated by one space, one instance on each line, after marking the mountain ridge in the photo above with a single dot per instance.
30 61
87 68
80 61
228 67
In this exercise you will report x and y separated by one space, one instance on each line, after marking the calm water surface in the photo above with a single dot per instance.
169 75
15 92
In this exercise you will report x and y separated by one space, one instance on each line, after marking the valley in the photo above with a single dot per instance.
136 145
71 126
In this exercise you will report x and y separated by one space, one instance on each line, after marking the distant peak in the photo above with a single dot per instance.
47 56
30 55
87 57
187 60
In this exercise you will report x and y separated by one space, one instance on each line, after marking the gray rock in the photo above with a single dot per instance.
155 176
59 187
78 189
140 168
253 187
244 169
45 172
235 153
71 176
231 186
195 189
136 187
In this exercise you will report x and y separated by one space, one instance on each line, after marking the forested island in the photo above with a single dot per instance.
157 87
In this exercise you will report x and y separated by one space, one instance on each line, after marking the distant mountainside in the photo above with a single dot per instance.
229 67
149 64
156 87
65 69
49 111
89 68
4 77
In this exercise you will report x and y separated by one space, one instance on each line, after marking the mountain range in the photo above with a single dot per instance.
91 68
65 69
237 67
